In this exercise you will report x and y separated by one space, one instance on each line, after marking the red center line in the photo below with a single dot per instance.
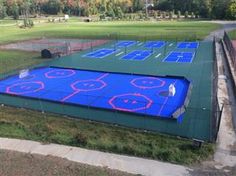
69 96
76 92
163 105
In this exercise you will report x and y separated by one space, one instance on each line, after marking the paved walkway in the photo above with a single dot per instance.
226 26
225 154
113 161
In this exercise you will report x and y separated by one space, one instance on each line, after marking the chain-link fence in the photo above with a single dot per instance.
231 49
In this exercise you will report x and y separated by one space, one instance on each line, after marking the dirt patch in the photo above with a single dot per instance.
210 169
20 164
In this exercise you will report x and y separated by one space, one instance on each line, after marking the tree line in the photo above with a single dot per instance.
213 9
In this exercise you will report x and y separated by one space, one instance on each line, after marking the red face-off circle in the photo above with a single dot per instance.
148 83
88 85
25 88
130 102
56 74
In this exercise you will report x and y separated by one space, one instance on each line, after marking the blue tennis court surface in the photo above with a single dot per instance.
154 44
137 55
134 93
125 43
188 45
181 57
101 53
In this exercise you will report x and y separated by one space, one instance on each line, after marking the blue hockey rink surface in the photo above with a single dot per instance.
123 92
125 43
188 45
181 57
137 55
101 53
154 44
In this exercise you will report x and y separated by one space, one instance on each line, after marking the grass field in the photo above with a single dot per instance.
171 30
25 124
11 60
232 34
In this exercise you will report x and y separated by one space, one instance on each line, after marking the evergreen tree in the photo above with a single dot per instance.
3 9
15 11
138 5
219 8
110 12
186 14
52 7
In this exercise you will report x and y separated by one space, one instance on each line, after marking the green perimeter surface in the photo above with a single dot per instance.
197 119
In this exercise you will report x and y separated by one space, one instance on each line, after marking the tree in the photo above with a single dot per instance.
138 5
3 9
192 15
52 7
25 9
219 8
15 11
119 12
171 14
203 8
155 15
110 12
231 12
186 14
178 14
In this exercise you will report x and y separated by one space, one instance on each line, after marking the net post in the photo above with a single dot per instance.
165 47
91 46
115 47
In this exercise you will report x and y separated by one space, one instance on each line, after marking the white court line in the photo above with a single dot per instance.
171 44
140 44
119 53
158 55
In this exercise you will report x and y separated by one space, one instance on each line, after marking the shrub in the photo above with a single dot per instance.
102 16
178 14
3 13
192 15
80 139
186 14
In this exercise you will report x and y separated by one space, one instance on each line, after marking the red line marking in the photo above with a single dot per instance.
166 100
114 106
69 96
147 80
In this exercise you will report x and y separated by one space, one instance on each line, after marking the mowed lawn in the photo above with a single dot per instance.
140 30
232 34
16 60
32 125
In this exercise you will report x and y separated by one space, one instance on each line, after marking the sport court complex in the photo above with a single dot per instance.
126 83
